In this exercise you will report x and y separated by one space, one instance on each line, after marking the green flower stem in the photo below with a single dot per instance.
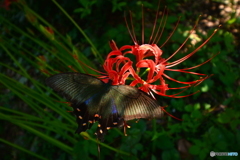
22 149
85 36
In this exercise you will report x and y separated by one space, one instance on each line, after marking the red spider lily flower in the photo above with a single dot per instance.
120 68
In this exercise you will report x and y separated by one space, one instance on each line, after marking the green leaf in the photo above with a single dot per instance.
204 152
153 157
189 108
205 88
207 106
231 21
221 145
196 114
166 143
195 150
170 154
226 116
197 106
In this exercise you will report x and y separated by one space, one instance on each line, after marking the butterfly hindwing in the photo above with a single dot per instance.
133 103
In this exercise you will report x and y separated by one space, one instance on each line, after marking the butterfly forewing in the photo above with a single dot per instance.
76 87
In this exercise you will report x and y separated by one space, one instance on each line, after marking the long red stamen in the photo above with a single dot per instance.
182 43
164 23
192 82
181 87
170 114
154 26
133 32
181 70
174 96
169 65
174 29
142 25
129 31
197 65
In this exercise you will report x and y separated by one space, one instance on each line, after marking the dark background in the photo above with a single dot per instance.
210 118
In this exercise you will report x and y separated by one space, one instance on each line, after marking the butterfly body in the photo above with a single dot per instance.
111 105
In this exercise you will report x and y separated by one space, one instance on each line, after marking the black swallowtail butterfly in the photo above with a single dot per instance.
111 105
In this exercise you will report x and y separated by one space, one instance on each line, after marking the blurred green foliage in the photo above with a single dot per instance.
37 36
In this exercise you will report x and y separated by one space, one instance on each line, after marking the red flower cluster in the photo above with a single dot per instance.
148 57
119 68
